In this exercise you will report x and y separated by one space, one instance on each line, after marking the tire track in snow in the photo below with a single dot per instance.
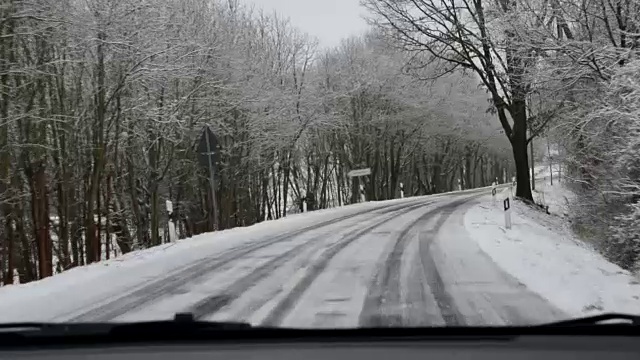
383 301
138 296
210 305
450 313
283 307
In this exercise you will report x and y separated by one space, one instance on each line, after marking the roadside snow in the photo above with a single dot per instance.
556 196
541 252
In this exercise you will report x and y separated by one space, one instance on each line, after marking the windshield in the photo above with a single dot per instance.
318 163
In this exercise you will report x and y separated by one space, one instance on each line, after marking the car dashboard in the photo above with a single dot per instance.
538 347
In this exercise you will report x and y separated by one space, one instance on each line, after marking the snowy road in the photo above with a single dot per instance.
402 263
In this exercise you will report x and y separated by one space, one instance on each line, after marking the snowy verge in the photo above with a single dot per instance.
540 251
557 196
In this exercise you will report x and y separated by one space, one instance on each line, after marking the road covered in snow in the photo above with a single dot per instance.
408 262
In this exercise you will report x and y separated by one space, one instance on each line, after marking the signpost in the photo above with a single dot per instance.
357 174
208 156
360 172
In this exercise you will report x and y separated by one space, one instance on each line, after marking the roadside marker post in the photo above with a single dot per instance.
507 213
493 192
362 198
513 183
401 191
304 205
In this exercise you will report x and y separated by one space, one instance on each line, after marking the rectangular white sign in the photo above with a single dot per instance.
360 172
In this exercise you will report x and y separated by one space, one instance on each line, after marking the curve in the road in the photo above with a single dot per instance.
276 316
210 305
384 290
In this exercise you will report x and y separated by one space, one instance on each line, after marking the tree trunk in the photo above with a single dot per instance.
520 153
41 223
91 228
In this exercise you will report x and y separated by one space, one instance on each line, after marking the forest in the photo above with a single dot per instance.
103 104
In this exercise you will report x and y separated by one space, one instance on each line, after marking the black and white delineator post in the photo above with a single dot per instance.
362 198
507 213
16 277
401 191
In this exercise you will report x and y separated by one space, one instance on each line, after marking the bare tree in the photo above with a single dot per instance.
458 34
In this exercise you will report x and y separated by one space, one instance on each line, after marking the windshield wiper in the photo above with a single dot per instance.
611 319
181 324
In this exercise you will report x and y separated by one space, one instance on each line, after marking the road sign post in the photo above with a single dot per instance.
358 174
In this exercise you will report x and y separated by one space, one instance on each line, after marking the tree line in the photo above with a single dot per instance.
566 70
103 102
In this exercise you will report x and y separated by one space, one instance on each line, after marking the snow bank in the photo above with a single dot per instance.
544 171
541 252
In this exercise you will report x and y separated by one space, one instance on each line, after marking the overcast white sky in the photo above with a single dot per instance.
328 20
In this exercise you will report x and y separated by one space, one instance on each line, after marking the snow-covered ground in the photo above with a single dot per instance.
541 252
391 263
82 286
73 292
403 262
552 192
